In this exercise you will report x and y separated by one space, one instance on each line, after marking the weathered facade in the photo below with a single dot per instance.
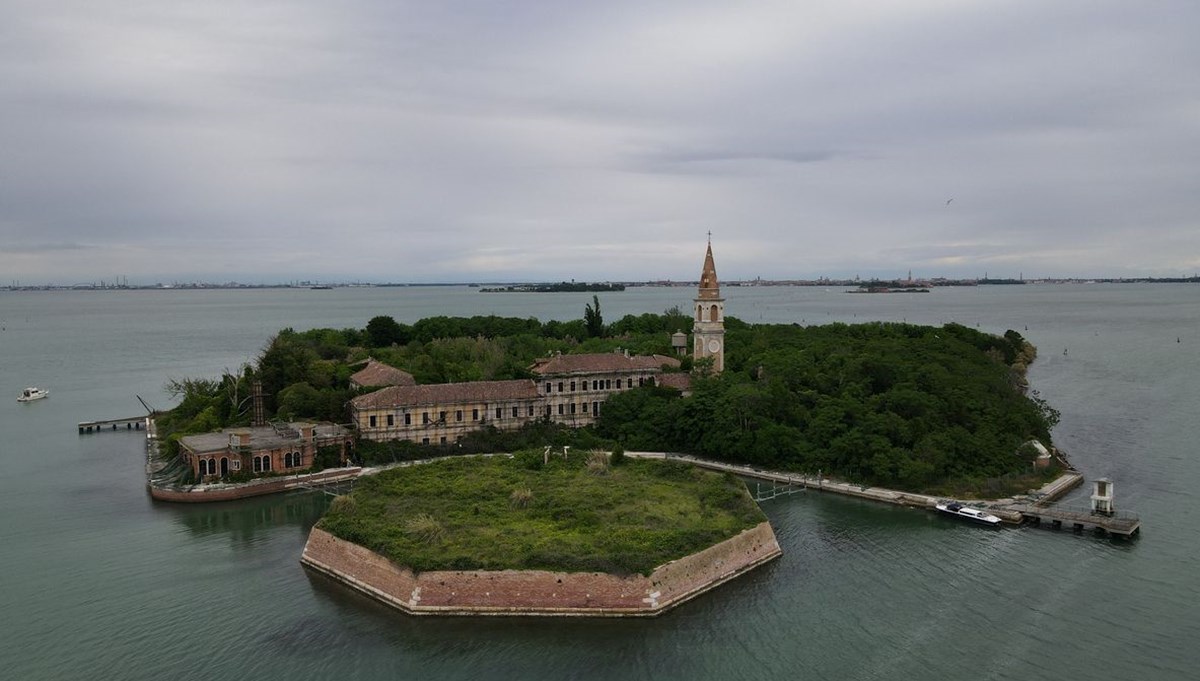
575 386
569 389
441 413
282 448
708 332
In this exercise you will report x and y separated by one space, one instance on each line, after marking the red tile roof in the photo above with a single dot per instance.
377 373
600 362
447 393
681 382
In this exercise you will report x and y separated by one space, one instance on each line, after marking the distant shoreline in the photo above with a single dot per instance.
505 286
556 288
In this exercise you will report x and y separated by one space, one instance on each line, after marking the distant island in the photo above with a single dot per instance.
887 289
505 287
561 287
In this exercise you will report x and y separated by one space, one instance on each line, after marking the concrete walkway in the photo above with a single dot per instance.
1005 509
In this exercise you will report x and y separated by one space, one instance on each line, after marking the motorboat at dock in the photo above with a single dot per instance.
975 515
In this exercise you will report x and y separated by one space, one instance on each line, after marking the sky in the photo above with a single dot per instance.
455 141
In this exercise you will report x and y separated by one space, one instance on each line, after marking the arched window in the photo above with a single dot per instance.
712 314
297 457
287 460
266 463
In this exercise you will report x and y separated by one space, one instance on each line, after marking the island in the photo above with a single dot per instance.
561 287
933 410
892 411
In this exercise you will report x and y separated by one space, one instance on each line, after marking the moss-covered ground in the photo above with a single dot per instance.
573 515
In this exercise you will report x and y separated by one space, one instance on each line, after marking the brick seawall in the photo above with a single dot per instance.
253 488
538 592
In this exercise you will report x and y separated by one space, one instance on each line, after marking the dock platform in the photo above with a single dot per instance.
130 423
1120 523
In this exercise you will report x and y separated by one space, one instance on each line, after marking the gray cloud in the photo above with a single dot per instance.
471 140
40 248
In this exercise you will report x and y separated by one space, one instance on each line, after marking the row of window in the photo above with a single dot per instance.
208 467
261 464
598 384
563 386
459 415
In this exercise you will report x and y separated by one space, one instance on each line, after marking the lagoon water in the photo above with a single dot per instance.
99 582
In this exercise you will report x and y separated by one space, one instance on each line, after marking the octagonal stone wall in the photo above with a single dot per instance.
538 592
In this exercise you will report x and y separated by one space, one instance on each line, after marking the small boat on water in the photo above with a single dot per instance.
31 394
967 513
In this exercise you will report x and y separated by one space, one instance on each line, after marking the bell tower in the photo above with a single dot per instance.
709 316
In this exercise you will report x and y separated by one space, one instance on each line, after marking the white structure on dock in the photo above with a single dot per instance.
1102 496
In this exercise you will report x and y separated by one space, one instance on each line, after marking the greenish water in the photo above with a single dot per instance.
101 582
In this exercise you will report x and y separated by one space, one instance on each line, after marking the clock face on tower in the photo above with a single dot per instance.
714 345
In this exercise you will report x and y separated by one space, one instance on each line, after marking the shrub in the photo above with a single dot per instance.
520 498
424 528
343 504
597 462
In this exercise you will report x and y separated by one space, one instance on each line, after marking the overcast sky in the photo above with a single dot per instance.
382 140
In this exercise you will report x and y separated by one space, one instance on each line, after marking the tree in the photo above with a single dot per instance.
285 360
383 331
592 319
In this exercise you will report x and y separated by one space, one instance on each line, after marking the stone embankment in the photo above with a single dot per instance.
1053 490
538 592
229 491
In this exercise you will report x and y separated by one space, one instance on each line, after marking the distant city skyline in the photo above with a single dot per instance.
528 141
683 283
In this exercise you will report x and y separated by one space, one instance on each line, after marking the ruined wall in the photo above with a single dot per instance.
252 488
538 592
682 579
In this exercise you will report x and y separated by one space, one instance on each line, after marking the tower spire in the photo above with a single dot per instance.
710 289
709 327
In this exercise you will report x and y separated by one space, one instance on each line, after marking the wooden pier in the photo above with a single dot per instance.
131 423
1120 523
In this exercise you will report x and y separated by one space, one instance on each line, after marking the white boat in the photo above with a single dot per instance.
31 394
967 513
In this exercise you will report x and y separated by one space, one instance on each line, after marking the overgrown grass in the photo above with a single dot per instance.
516 513
995 488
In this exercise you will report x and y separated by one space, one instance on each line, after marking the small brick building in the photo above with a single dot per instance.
288 447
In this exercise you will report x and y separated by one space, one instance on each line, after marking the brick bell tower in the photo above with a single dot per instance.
709 329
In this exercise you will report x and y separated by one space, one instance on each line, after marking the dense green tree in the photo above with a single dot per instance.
383 331
286 360
592 318
897 404
894 404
